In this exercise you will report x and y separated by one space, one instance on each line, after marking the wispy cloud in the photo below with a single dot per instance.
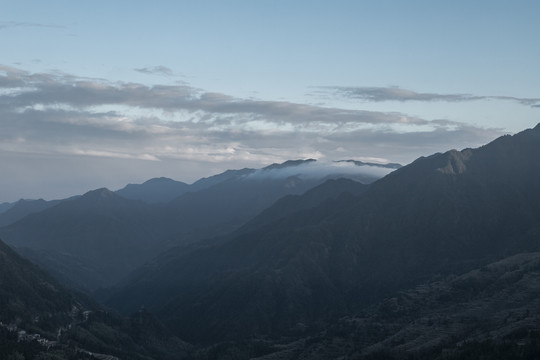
394 93
321 169
16 24
156 70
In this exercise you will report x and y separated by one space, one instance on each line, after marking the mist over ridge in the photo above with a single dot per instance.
320 169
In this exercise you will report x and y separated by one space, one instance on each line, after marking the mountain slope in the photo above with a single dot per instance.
219 178
34 306
490 311
26 291
91 241
23 208
227 205
5 206
447 213
290 204
97 239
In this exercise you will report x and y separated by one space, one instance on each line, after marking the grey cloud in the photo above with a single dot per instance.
49 89
532 102
156 70
59 117
394 93
377 94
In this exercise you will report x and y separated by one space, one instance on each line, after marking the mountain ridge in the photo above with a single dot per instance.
335 258
96 239
155 190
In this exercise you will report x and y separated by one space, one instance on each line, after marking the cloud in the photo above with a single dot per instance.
62 90
53 119
321 169
156 70
394 93
377 94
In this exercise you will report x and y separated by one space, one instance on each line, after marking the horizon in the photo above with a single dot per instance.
188 90
313 167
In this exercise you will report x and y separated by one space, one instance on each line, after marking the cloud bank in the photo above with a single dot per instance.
321 170
53 119
394 93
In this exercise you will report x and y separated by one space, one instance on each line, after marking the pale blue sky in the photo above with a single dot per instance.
188 88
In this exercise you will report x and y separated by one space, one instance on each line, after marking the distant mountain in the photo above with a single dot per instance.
291 204
95 240
289 163
22 208
162 190
90 241
5 206
444 214
241 195
157 190
219 178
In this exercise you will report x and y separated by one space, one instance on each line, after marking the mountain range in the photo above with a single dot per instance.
94 240
445 214
439 259
23 208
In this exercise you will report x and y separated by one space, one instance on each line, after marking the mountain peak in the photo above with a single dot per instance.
288 163
155 190
455 162
160 180
99 194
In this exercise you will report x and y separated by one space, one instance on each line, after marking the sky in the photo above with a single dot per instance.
105 93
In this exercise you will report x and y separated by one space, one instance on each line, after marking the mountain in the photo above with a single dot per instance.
22 208
448 213
290 204
157 190
289 163
490 312
96 239
41 319
89 241
27 291
219 178
223 207
5 206
162 190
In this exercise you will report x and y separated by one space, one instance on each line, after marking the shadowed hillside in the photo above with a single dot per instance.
443 214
